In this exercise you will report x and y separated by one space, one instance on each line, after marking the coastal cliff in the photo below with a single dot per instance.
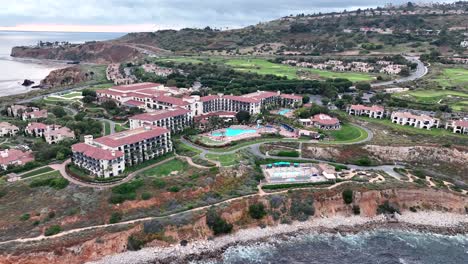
89 245
94 52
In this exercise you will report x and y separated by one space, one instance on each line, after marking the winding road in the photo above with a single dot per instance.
421 71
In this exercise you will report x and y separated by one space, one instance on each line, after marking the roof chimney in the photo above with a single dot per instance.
113 153
147 128
88 139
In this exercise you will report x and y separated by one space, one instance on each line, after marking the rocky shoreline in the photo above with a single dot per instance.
212 249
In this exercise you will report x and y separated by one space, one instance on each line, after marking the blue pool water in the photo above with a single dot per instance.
284 111
232 132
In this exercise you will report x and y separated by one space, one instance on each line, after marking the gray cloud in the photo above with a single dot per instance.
167 13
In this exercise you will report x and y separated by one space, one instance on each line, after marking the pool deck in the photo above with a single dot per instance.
258 133
289 113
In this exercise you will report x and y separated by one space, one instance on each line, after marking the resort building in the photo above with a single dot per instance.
7 129
370 111
51 133
327 170
174 119
35 114
458 126
130 147
99 162
14 157
322 121
202 121
18 110
418 121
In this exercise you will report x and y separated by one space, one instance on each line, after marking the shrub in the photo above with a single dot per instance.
159 183
56 183
52 230
25 217
364 161
125 191
115 218
387 208
292 153
419 174
257 211
51 214
301 209
36 223
348 196
2 193
134 243
174 189
146 196
356 210
276 201
217 224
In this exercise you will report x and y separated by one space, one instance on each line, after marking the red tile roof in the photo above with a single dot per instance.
109 92
241 99
461 123
35 125
37 113
9 156
170 100
96 152
162 114
220 114
135 87
208 98
131 136
7 125
260 95
134 103
374 108
409 115
291 96
324 119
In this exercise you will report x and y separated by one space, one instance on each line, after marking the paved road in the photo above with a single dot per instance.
61 169
420 72
255 150
112 123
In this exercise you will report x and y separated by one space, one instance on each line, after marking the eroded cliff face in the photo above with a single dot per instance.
65 76
95 52
449 161
93 245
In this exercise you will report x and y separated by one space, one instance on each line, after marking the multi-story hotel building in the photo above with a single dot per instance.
370 111
175 119
109 155
418 121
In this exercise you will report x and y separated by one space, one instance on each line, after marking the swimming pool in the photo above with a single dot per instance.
284 111
232 132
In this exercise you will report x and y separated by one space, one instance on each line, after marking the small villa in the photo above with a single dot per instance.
370 111
35 114
14 157
418 121
322 121
458 126
51 133
7 129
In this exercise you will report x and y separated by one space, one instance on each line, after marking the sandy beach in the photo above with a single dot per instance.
434 222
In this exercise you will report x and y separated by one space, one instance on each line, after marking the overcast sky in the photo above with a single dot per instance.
151 15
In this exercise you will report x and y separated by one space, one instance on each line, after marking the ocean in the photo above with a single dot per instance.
385 247
13 71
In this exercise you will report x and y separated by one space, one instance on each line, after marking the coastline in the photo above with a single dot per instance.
424 222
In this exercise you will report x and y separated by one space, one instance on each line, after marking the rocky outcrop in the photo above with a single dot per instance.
95 52
65 76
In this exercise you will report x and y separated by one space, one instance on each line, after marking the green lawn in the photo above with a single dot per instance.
166 168
107 129
71 95
120 128
453 77
262 66
347 134
36 172
436 132
225 160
